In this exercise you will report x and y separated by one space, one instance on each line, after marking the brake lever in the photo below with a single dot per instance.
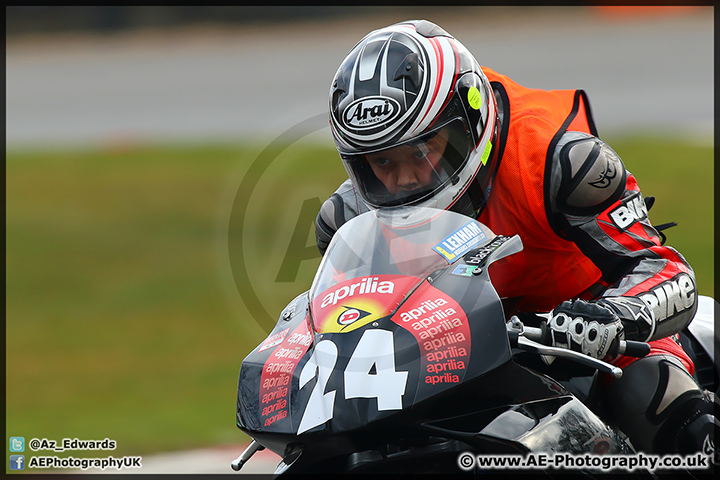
520 336
526 344
630 348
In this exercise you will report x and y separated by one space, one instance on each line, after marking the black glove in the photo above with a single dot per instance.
587 327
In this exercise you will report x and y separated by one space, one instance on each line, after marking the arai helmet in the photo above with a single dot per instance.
411 95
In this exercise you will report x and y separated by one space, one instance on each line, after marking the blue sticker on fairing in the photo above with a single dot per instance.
460 241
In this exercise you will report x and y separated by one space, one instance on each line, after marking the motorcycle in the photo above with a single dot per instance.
400 357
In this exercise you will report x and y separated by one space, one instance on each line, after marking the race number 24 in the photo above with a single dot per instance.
375 348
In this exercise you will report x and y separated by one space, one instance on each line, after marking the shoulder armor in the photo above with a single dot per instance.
588 176
328 220
342 205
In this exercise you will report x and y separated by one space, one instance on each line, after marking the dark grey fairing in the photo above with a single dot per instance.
490 349
248 403
493 405
500 406
486 422
559 424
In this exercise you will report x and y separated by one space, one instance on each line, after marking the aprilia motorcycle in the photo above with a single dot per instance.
400 357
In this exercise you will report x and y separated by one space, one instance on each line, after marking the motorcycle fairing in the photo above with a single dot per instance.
427 350
378 366
557 424
441 331
437 348
701 342
351 304
482 416
266 373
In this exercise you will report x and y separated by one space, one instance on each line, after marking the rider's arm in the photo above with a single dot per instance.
335 211
596 203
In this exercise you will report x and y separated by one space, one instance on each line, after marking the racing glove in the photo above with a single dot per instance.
585 326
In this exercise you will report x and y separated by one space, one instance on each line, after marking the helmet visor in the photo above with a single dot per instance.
411 171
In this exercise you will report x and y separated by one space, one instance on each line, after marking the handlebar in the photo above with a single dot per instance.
633 348
630 348
538 339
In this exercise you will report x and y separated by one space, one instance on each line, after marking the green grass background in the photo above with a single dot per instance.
122 319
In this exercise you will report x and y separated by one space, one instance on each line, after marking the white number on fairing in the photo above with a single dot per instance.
320 405
375 349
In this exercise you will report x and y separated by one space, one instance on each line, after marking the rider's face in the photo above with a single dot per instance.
409 167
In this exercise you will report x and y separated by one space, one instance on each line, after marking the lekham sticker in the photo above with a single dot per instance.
460 241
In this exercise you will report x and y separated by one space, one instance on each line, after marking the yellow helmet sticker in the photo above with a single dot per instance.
474 98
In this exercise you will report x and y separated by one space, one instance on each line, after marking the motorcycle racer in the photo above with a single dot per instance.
417 121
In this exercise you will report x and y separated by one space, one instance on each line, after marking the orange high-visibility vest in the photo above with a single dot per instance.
550 269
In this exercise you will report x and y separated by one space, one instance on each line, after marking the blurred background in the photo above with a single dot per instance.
164 166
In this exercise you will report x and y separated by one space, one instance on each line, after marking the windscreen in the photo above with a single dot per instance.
377 259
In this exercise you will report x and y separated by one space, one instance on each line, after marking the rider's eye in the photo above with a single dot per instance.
382 161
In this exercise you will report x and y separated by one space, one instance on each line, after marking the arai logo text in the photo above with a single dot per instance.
370 112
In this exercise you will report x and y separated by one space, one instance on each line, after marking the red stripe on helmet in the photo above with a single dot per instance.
452 85
441 67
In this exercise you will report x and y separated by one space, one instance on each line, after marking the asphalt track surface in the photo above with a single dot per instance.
643 74
208 461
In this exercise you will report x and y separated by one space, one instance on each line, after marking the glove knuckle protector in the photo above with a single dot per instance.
559 325
577 334
586 327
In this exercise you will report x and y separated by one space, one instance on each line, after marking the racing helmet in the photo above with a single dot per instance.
412 95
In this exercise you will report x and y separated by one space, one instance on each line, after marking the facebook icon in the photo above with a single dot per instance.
17 462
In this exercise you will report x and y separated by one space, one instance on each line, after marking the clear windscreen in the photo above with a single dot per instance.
402 241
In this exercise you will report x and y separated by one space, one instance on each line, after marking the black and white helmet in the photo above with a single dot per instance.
401 86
